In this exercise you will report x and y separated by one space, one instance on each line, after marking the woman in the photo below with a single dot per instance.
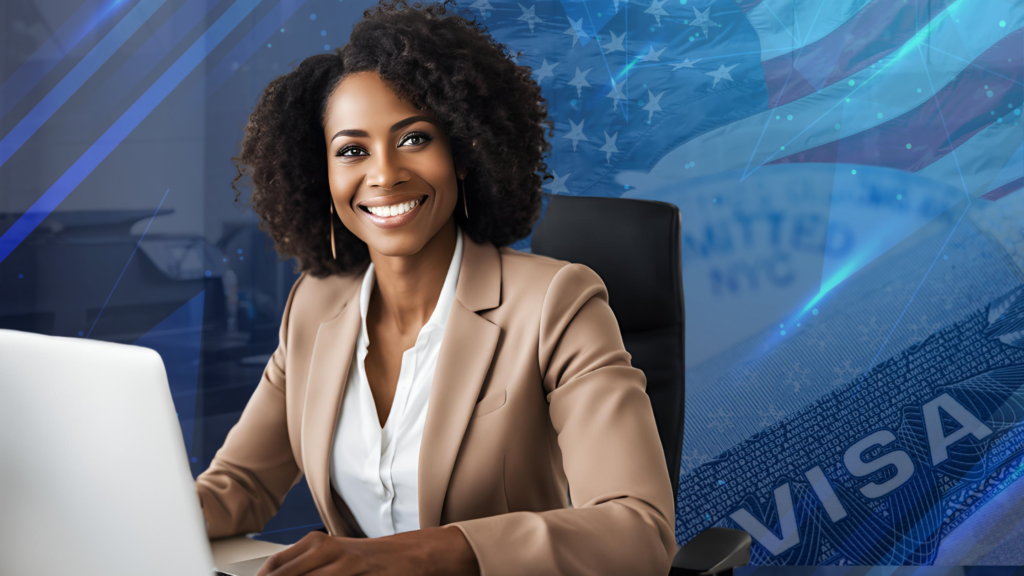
443 394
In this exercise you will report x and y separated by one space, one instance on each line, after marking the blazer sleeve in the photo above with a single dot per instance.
255 468
623 520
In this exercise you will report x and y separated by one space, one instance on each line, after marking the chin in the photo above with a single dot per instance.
398 244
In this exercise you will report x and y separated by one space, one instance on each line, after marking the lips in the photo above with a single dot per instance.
381 204
389 222
390 200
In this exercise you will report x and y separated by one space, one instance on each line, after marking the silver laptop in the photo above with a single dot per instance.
94 478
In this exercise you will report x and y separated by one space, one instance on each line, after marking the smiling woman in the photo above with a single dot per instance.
442 393
457 106
392 178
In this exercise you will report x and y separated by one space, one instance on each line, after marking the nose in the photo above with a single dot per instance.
385 169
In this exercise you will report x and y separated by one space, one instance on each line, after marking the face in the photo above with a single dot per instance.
384 153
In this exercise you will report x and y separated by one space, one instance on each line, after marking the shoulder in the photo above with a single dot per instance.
320 299
566 303
545 281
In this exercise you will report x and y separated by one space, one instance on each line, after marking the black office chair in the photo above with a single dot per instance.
634 245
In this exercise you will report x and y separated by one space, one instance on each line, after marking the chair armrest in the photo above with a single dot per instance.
713 551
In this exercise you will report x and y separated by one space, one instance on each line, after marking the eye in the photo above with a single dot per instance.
409 137
417 135
346 149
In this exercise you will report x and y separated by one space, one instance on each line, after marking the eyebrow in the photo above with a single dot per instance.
398 126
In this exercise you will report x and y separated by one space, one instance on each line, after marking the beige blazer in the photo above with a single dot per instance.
534 401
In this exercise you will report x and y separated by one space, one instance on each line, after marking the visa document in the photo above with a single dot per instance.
855 363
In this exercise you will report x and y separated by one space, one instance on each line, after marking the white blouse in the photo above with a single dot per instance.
373 469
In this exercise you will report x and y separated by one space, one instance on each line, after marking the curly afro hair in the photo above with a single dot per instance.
490 108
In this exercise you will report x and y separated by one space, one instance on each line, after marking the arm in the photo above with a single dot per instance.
252 472
624 516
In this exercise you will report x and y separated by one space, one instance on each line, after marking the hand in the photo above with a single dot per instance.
426 552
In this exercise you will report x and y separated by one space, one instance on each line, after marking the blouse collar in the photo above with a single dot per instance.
439 317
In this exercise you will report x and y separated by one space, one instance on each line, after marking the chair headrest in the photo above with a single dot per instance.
632 244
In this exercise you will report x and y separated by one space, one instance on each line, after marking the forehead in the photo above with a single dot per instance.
364 100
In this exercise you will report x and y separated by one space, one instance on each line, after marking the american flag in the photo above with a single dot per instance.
651 91
652 95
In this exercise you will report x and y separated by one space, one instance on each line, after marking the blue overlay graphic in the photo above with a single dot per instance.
178 340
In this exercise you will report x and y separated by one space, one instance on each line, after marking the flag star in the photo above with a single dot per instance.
576 31
558 186
652 104
515 57
482 6
657 10
684 64
580 81
545 70
721 74
652 56
609 146
616 92
529 16
616 44
576 134
702 19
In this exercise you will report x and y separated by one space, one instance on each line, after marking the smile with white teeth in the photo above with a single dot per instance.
392 210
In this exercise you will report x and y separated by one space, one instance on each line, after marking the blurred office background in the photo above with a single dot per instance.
849 172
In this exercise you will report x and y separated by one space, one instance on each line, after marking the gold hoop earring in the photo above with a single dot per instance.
333 253
462 187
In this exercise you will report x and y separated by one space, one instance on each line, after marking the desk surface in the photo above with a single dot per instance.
239 548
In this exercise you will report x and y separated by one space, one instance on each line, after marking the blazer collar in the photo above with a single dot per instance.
463 361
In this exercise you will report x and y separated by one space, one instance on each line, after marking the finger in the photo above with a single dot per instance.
340 568
288 554
344 565
308 561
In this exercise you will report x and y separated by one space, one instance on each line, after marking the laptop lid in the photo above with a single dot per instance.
94 476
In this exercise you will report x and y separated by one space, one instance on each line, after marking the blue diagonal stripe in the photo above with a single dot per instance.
130 256
124 125
78 75
42 61
247 47
148 56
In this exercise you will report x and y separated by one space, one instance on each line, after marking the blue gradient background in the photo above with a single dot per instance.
849 175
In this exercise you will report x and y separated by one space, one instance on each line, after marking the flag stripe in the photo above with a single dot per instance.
747 5
1004 190
776 28
873 33
966 104
885 88
985 162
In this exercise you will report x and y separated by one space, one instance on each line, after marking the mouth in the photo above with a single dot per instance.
396 214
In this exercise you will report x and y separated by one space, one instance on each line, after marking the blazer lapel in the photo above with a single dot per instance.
463 361
328 375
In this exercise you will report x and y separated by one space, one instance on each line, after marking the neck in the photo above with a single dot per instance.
407 288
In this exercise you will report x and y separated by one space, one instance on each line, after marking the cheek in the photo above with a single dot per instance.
445 185
342 190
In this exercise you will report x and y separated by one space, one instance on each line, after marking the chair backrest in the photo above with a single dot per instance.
634 246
